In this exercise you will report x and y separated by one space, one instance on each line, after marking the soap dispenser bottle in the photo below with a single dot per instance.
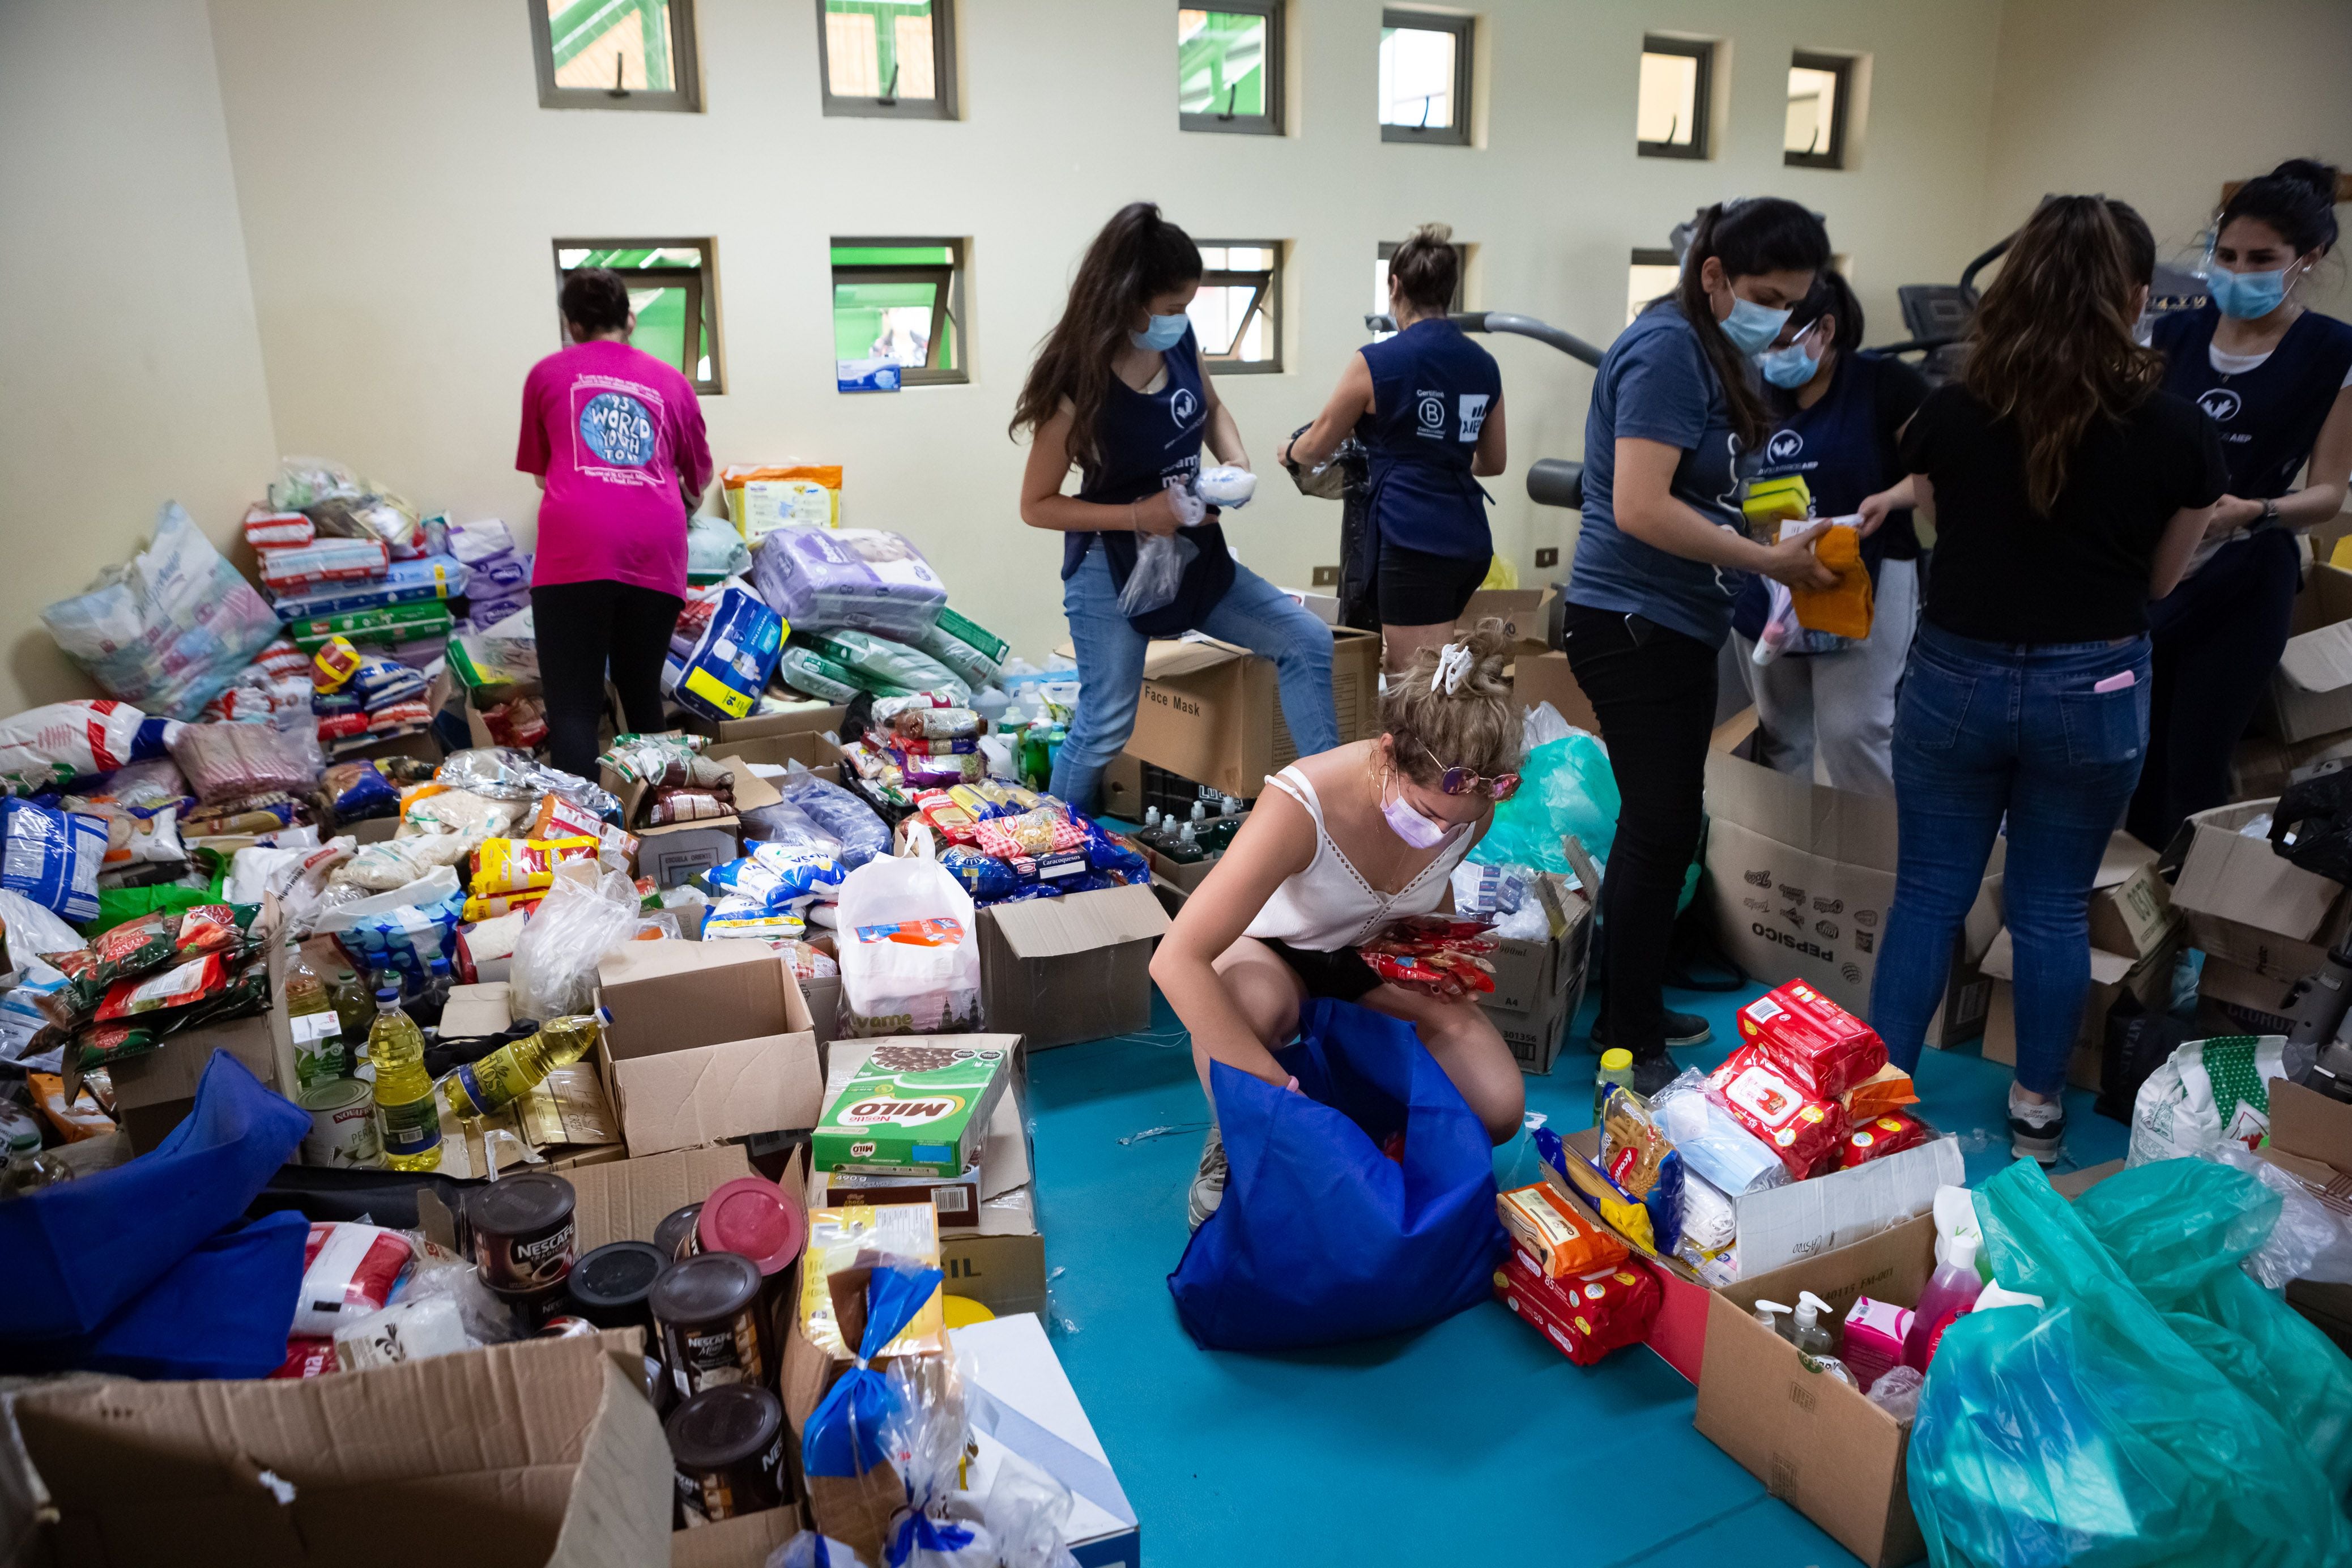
1779 1325
1811 1330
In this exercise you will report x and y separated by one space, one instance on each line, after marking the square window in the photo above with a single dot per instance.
1819 90
1425 77
615 54
1653 273
1238 314
1670 116
1229 68
673 289
902 300
1379 311
893 59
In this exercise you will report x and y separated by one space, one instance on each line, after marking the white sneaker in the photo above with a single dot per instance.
2036 1128
1209 1181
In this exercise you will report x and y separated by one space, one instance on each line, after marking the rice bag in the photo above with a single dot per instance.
342 726
964 645
1804 1129
1823 1049
267 530
43 748
856 577
741 916
52 857
872 663
381 682
777 874
731 662
405 715
358 790
1879 1137
786 824
223 762
525 864
1549 1230
1717 1146
804 670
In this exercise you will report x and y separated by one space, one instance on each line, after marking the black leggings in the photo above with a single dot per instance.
2216 639
1653 690
583 628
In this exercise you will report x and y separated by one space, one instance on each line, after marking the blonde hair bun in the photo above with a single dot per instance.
1475 725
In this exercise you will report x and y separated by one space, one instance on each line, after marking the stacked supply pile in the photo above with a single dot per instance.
359 699
497 580
368 551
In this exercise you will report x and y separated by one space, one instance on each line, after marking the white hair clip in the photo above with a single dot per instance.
1452 664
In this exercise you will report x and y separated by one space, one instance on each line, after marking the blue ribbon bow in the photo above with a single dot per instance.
918 1530
843 1435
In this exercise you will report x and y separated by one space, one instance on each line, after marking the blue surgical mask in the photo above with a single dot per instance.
1162 333
2247 296
1789 368
1752 327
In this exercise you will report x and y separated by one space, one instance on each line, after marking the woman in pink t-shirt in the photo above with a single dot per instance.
615 440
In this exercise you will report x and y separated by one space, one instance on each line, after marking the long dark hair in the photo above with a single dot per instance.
1761 234
1138 253
1832 296
2051 346
2297 198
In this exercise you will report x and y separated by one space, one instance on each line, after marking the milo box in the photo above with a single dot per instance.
913 1109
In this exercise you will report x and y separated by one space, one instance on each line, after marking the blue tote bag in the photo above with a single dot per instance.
1321 1238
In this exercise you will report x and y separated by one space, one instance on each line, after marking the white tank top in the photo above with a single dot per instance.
1330 905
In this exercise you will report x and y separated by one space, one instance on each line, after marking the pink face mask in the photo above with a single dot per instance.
1407 822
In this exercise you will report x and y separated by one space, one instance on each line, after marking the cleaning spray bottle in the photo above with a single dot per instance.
1952 1290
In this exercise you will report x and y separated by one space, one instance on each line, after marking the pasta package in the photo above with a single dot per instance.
525 864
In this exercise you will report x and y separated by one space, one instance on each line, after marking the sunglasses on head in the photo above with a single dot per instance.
1497 787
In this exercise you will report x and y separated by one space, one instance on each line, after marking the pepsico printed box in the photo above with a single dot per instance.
916 1108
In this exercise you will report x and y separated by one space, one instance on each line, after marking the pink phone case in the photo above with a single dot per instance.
2120 682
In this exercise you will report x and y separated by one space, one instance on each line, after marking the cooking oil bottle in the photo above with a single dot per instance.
404 1105
509 1073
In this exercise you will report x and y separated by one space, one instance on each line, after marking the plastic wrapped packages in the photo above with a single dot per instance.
228 761
307 568
415 581
714 548
762 498
168 629
1823 1049
1897 1391
583 918
345 506
730 663
787 823
856 577
502 773
47 747
2211 1091
401 929
861 833
1762 1096
1715 1145
964 645
52 857
909 950
805 669
872 663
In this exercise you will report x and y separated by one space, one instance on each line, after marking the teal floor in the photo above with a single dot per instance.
1471 1441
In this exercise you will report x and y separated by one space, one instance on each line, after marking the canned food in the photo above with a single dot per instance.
522 1231
728 1445
534 1310
708 1306
609 1287
342 1124
674 1234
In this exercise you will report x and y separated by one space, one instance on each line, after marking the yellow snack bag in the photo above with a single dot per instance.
335 664
524 865
1844 610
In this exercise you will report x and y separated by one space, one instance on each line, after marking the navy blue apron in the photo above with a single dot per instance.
1142 440
2270 416
1431 390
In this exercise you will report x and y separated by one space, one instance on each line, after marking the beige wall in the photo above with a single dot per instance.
2161 101
400 186
129 368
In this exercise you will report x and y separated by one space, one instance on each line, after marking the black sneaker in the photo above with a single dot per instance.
1652 1074
2036 1129
1682 1029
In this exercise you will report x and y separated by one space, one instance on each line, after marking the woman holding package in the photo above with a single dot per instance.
1838 412
1660 560
1428 405
615 437
1341 844
1119 392
2067 491
2276 378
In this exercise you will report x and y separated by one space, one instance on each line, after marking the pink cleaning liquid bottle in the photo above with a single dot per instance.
1952 1291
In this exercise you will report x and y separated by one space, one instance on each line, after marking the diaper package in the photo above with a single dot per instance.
731 662
859 577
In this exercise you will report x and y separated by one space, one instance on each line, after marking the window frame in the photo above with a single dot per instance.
943 76
701 284
1269 123
1654 256
947 302
685 98
1465 30
1842 68
1702 50
1268 303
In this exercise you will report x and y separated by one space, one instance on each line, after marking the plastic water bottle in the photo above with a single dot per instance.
1616 1072
406 1109
511 1071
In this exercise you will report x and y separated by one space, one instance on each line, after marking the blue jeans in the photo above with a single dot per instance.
1987 729
1253 614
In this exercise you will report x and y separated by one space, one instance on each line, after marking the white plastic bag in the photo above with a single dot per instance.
910 948
2205 1092
169 628
579 921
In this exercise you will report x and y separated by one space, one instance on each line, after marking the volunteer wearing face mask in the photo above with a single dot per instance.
1119 392
1659 562
2067 489
1428 403
1840 411
2277 377
1339 845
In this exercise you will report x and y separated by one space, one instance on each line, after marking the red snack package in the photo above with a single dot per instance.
1881 1136
308 1357
348 1270
1586 1315
1766 1099
1430 933
193 981
1440 973
343 726
1826 1049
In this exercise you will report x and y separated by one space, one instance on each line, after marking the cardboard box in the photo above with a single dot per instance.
1120 792
1058 971
915 1107
1540 986
813 719
1209 709
1524 612
2149 978
1817 1444
674 854
1537 678
1801 877
1021 1402
2262 767
2131 906
541 1451
1184 876
2245 903
807 747
154 1094
2311 1139
2310 693
1324 607
2242 1000
706 1040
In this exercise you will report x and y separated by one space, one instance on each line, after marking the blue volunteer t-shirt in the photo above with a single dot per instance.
1657 385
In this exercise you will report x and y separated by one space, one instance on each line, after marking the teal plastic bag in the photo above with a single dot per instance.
1565 788
2096 1433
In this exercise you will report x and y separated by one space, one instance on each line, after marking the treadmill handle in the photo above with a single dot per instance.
1567 342
1556 482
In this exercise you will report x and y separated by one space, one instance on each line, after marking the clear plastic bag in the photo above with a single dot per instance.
810 1550
503 772
1897 1391
581 920
229 762
861 833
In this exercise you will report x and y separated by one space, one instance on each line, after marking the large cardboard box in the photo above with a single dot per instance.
705 1041
1537 678
1540 986
1120 792
1524 612
1020 1403
676 852
810 748
2311 1139
1817 1444
2131 905
2148 979
1801 877
1209 709
813 719
2262 767
2235 1000
2310 693
2245 903
540 1452
1059 971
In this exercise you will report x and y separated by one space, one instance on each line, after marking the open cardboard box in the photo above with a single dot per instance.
2262 767
1539 986
812 719
2311 1139
2310 693
705 1041
1526 614
154 1094
676 852
1058 971
1541 677
2247 904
